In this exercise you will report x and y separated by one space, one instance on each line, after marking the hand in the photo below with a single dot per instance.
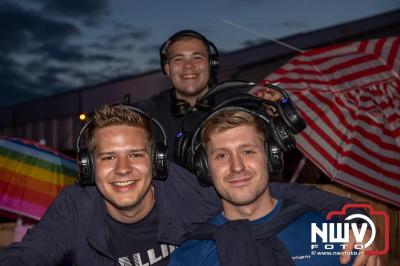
267 94
361 259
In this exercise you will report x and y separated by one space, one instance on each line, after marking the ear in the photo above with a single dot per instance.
166 69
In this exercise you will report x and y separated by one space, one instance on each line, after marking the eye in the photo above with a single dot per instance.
136 155
176 59
107 158
248 152
199 57
221 156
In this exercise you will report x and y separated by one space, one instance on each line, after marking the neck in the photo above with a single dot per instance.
252 211
135 213
191 99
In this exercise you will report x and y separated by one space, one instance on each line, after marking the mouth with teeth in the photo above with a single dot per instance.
124 185
189 76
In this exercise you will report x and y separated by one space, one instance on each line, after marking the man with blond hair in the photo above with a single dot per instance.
254 227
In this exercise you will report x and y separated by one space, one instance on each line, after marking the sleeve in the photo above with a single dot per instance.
183 203
47 242
320 200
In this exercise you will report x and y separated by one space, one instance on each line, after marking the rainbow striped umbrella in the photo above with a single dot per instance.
31 175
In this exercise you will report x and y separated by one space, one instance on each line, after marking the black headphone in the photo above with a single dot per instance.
159 154
293 120
200 164
179 107
278 126
288 112
281 127
213 54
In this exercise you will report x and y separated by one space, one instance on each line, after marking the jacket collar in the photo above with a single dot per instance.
98 235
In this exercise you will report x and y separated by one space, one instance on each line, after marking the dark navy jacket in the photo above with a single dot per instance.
75 222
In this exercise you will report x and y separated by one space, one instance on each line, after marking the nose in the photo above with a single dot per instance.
188 63
123 167
237 163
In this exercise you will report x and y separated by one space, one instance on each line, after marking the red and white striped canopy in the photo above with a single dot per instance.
349 95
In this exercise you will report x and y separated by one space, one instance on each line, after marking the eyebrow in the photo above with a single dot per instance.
194 53
114 152
247 145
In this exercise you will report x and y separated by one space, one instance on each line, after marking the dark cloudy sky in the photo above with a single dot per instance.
51 46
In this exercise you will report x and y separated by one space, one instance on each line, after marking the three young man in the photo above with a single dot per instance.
129 217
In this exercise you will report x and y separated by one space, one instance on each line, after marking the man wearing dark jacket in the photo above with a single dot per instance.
191 62
254 227
127 216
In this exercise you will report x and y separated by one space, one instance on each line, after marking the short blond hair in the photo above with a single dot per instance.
222 121
111 115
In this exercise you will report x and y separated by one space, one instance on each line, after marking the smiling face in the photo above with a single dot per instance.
188 68
234 145
238 165
122 156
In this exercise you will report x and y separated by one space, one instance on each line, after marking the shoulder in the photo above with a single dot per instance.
77 193
162 98
74 200
195 252
163 95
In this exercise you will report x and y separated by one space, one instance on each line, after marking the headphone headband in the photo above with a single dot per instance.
293 120
235 93
223 109
131 108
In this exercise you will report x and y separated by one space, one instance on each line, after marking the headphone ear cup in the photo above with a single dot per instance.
159 161
274 157
182 153
200 167
86 167
293 120
214 65
179 107
163 57
282 137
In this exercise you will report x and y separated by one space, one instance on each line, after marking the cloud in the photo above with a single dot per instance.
89 11
153 62
110 46
23 28
150 49
251 2
131 35
64 53
249 43
294 24
16 84
41 52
